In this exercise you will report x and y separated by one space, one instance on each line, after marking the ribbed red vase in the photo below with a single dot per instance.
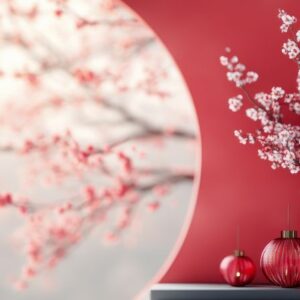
237 269
280 260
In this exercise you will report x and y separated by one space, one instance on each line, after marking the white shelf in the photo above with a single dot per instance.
221 292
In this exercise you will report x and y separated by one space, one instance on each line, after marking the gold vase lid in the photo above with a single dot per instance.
289 234
239 253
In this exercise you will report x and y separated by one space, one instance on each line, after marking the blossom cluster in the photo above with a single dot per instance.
287 20
235 103
277 139
237 71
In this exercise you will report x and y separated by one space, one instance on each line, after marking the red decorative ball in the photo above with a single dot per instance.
280 260
237 269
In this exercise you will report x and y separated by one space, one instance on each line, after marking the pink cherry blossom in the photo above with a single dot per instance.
77 123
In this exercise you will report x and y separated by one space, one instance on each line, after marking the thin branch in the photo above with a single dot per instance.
259 105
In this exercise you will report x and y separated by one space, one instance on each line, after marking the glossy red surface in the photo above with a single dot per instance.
237 188
280 262
237 270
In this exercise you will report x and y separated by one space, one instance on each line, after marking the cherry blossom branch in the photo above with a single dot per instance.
59 243
279 141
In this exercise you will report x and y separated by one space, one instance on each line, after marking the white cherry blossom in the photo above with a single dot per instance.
278 141
235 103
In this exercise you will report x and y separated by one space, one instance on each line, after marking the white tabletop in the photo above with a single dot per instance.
221 291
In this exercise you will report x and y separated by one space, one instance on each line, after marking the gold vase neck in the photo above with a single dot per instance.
239 252
289 234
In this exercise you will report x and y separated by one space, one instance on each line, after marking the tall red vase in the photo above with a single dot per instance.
280 260
237 269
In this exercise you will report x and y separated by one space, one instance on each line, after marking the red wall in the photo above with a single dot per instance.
236 186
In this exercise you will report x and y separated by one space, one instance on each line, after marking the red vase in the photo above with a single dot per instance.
237 269
280 260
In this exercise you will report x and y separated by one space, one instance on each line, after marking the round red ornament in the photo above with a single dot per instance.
237 269
280 260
